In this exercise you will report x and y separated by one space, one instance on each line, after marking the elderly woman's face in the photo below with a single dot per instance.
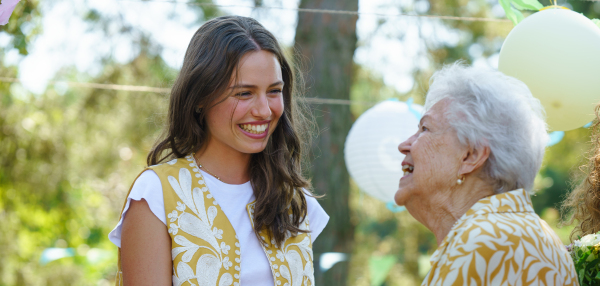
433 154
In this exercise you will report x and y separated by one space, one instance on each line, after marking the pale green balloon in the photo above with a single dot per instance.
556 53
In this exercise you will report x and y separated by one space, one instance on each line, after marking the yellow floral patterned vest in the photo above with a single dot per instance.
204 246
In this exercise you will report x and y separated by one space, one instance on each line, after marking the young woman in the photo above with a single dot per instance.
224 200
584 200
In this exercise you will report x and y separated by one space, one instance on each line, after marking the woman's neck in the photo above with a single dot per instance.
449 206
230 166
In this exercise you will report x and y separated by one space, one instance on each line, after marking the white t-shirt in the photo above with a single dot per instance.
256 270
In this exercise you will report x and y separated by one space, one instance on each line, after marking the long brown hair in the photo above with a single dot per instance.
584 200
276 175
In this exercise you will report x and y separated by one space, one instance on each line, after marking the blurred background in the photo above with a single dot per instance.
83 95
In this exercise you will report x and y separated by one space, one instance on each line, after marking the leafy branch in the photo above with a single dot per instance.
513 8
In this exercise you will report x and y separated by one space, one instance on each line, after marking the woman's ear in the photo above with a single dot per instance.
474 159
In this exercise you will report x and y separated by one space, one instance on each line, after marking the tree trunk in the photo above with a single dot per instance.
327 43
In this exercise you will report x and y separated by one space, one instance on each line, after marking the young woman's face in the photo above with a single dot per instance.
246 119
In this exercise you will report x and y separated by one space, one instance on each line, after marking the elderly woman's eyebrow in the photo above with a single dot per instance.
426 116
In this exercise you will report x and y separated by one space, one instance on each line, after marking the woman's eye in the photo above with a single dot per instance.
243 94
423 128
276 91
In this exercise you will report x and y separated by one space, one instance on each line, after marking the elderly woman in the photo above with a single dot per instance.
468 173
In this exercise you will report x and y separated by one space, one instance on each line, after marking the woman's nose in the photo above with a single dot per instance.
261 107
404 147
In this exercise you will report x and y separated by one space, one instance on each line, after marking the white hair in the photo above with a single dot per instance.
488 108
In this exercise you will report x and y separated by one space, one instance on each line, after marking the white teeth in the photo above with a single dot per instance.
407 168
254 129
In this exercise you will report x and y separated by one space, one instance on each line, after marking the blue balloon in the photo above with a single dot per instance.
394 208
51 254
555 137
417 114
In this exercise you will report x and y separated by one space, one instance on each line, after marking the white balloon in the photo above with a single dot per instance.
371 149
556 53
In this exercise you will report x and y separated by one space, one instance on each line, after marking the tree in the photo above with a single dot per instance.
69 156
328 42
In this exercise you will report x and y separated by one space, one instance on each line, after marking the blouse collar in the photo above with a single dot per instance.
516 201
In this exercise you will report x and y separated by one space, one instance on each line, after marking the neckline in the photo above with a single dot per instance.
515 201
219 182
207 174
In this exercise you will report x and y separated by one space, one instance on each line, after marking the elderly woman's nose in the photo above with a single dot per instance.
404 147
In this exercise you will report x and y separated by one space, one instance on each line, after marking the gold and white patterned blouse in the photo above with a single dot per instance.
501 241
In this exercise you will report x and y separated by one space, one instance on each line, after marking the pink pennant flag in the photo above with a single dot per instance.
6 8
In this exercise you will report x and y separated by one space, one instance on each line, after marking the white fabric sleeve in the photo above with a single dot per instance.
147 187
317 217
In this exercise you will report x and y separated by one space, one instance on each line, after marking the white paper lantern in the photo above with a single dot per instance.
371 149
556 53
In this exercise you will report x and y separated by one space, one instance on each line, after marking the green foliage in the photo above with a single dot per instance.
533 5
379 267
65 175
369 89
586 256
511 13
597 22
512 8
560 162
70 155
23 25
383 237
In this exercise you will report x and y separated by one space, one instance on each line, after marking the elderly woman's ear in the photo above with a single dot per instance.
474 159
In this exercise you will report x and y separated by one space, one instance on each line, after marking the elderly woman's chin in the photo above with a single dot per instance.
402 194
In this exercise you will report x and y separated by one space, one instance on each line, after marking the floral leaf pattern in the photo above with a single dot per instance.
207 268
194 226
226 280
292 263
501 241
188 247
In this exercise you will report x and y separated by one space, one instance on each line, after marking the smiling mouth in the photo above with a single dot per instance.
254 128
407 169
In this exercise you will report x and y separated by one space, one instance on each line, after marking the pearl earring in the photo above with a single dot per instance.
461 179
